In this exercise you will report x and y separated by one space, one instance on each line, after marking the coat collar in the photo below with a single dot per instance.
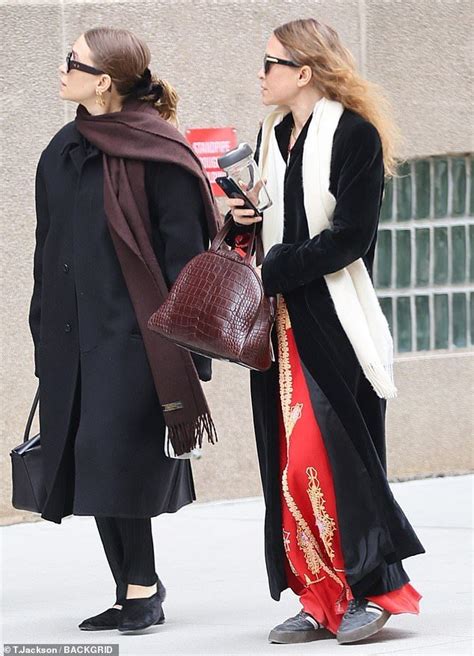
78 148
72 138
283 132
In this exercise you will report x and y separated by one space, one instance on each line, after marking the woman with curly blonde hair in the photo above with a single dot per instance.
334 533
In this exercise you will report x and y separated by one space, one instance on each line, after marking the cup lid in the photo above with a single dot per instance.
242 151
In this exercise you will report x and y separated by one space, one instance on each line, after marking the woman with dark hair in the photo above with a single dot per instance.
122 205
334 533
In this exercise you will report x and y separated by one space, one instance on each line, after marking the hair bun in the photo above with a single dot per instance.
156 90
145 86
146 76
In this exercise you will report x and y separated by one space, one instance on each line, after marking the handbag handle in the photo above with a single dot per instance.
26 436
222 234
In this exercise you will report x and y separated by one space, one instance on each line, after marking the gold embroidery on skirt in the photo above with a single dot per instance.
311 554
291 414
305 538
308 581
326 524
287 545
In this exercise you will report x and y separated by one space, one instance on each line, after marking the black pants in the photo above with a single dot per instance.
128 545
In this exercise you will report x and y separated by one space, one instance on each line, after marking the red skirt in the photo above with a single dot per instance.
314 562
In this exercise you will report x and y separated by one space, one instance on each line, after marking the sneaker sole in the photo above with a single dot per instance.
364 632
294 637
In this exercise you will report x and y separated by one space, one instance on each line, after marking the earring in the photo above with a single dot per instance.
100 101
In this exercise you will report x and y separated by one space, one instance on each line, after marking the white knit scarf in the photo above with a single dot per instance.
351 289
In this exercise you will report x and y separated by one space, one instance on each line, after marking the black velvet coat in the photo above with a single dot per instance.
101 423
375 534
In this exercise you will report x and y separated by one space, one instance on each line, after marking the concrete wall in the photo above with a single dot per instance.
211 51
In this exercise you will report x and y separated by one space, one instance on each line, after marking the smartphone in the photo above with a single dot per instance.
232 190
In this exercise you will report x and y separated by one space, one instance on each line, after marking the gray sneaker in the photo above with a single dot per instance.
358 623
300 628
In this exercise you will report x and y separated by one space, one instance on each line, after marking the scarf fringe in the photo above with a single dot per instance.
185 437
381 379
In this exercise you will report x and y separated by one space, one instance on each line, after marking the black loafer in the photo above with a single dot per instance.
300 628
102 622
139 614
358 623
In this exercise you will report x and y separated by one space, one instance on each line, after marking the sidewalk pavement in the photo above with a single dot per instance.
210 557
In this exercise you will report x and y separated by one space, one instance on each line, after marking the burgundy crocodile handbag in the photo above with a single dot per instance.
217 307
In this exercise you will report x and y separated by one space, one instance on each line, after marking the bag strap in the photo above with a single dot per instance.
260 255
26 436
222 234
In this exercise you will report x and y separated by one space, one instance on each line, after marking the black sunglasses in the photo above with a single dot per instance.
268 60
73 63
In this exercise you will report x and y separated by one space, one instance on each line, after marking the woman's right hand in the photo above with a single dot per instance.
244 217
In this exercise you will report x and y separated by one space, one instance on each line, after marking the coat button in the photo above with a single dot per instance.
65 268
67 328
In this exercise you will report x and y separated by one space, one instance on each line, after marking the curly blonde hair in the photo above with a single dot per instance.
317 45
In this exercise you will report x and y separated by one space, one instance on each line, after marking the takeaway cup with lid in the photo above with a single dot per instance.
240 166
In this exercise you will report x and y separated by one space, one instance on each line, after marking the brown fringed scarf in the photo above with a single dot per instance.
127 139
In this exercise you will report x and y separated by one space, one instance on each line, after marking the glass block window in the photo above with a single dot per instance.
424 261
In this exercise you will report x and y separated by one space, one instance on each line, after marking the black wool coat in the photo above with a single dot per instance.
101 423
375 534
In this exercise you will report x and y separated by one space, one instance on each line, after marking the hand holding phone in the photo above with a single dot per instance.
242 208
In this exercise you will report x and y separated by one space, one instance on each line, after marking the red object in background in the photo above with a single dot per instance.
209 144
241 244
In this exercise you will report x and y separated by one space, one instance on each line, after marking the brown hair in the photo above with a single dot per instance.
125 57
317 45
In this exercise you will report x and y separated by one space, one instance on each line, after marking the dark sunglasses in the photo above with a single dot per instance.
268 60
73 63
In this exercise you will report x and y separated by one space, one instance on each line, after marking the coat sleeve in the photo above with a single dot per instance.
42 226
179 226
358 193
